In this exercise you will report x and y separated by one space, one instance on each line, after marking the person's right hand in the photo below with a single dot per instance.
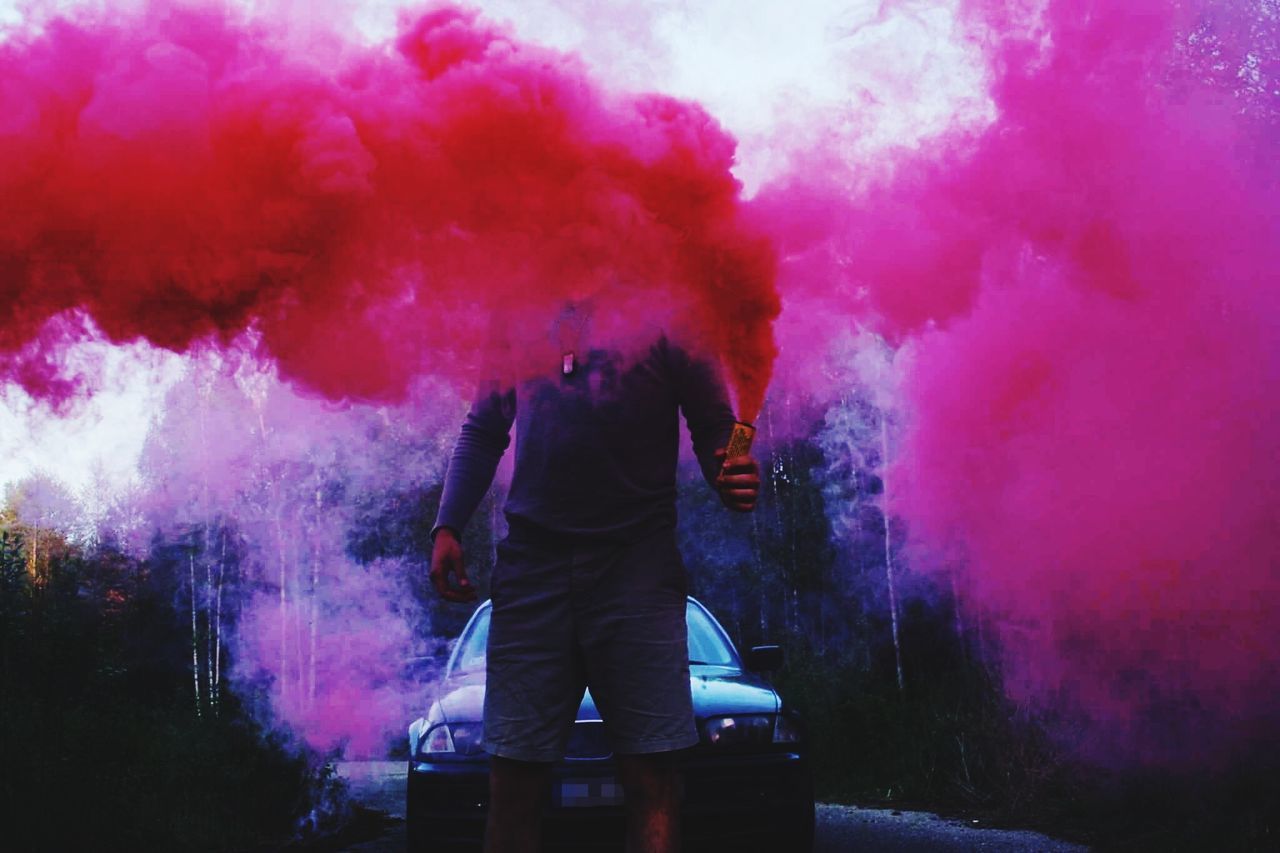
446 559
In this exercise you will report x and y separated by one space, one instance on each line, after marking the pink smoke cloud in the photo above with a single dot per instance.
336 659
266 488
1086 295
1083 290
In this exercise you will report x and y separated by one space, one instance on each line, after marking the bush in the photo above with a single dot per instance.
103 747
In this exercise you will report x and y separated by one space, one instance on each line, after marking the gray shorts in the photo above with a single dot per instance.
570 614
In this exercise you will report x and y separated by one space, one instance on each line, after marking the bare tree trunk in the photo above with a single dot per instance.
313 631
195 636
755 555
781 467
794 541
203 517
215 697
208 629
33 560
284 606
207 604
256 389
888 547
314 610
299 630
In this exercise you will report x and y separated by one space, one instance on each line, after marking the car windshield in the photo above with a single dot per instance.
707 643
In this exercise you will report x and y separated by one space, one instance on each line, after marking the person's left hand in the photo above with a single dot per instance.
738 482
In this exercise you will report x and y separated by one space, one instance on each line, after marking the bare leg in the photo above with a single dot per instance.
516 792
652 786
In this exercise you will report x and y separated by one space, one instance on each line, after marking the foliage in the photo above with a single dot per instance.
112 665
942 739
949 739
103 747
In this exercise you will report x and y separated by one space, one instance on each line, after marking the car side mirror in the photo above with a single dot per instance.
764 658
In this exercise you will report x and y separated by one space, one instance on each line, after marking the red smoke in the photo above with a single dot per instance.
1087 289
181 177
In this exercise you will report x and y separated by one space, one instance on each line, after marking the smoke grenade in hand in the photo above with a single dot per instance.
739 440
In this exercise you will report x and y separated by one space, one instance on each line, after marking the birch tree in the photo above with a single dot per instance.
857 441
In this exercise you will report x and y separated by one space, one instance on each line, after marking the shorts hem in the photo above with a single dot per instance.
515 753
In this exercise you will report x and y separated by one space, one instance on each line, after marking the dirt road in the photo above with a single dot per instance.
380 785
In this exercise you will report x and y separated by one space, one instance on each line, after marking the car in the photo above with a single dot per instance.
747 784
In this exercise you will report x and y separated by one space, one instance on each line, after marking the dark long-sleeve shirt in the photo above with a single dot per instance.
596 451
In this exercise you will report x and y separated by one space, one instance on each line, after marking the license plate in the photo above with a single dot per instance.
582 793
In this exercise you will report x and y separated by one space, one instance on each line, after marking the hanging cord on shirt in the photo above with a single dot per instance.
568 329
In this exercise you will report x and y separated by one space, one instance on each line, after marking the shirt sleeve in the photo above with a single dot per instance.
704 400
485 435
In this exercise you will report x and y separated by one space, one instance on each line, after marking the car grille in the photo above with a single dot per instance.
588 739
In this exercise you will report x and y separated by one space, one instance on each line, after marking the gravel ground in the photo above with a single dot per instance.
892 831
379 785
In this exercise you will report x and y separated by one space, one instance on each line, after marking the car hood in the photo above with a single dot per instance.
716 691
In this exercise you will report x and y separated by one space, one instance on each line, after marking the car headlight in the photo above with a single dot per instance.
468 738
739 730
455 738
743 729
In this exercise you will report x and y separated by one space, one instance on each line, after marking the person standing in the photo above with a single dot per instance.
589 589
